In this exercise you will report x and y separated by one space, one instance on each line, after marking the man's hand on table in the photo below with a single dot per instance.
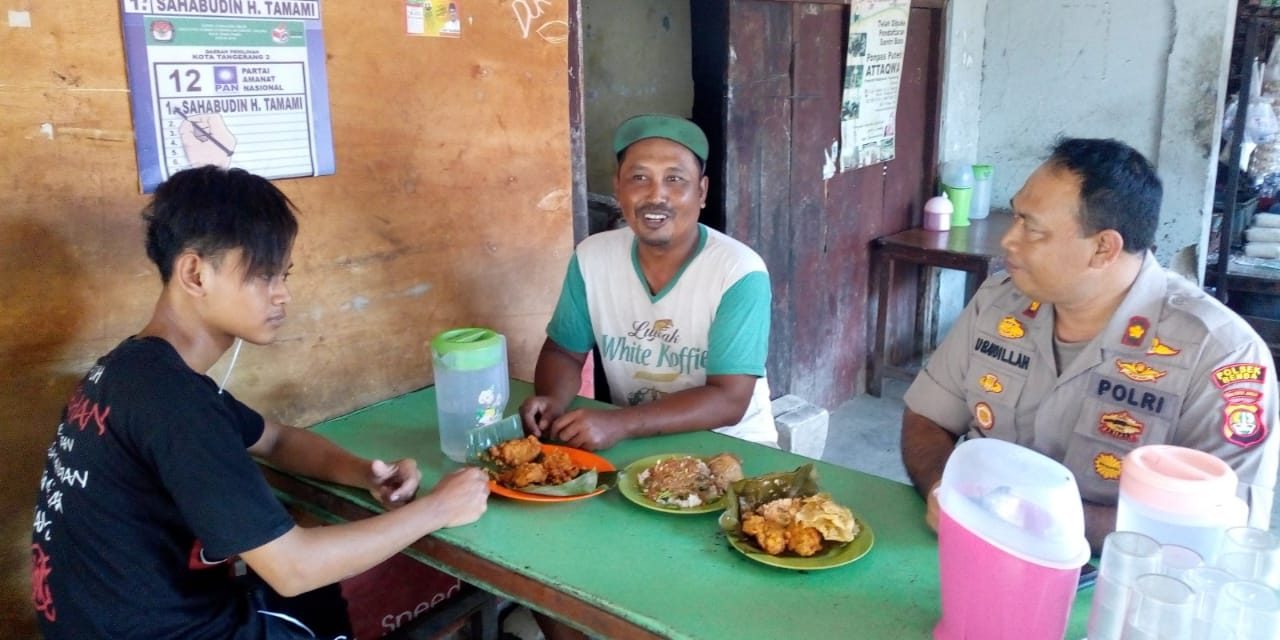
461 496
590 429
395 484
538 413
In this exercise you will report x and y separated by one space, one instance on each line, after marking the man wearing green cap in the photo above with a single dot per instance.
679 312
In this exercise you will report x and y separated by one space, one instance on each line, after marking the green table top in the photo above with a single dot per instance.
675 575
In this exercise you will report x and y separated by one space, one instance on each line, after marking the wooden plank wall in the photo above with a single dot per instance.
451 206
781 95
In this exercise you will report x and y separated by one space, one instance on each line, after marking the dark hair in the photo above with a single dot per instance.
702 169
210 211
1119 189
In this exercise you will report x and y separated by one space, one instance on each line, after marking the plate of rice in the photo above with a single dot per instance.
680 482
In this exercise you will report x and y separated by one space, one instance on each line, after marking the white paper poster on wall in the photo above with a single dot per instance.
872 74
233 83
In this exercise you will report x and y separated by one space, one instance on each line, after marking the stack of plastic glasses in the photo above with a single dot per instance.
1251 554
1126 555
1160 608
1246 610
1207 582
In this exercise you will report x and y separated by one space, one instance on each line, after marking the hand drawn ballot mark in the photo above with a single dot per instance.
206 140
204 136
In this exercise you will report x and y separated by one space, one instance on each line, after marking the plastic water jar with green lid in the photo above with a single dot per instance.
472 387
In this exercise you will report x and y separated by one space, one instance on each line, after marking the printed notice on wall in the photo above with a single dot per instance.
232 83
439 19
872 73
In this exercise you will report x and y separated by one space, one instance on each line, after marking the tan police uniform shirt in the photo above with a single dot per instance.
1174 366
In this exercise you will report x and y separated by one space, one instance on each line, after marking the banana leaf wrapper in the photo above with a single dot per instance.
745 495
588 482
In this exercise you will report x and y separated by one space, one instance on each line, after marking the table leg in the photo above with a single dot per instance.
882 267
973 280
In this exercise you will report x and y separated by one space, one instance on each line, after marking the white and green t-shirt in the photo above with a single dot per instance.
711 319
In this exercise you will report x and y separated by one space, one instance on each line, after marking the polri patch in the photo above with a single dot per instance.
991 383
1107 465
983 414
1130 396
1032 309
1122 425
1139 371
1242 423
1136 331
1237 373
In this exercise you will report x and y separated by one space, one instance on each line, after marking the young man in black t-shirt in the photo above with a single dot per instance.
149 487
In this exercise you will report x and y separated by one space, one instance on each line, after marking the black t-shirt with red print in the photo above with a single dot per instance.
147 487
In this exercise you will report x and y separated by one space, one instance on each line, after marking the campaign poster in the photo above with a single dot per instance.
873 71
232 83
433 18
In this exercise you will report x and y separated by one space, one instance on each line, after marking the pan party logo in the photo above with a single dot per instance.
1158 348
1010 328
1107 466
1119 424
1139 371
991 383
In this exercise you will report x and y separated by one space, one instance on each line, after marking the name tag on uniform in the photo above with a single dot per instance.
1002 353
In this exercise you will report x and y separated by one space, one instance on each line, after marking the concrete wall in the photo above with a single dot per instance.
636 59
1148 73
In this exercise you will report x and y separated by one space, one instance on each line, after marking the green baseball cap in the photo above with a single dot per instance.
658 125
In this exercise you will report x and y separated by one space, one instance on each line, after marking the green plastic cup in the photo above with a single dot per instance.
959 197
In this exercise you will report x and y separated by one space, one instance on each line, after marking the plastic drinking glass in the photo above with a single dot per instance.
1125 556
1160 608
1176 560
1251 554
1246 610
1206 582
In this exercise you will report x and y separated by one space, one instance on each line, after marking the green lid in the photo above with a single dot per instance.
981 171
468 348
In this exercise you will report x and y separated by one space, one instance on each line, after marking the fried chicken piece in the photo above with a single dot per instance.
523 475
726 469
559 467
516 452
781 511
770 536
802 540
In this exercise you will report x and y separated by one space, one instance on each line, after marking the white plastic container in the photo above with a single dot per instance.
981 205
1179 496
472 386
1010 543
937 213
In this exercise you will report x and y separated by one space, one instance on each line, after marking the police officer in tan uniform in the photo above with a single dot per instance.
1086 348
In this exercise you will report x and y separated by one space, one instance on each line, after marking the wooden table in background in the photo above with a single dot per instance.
974 249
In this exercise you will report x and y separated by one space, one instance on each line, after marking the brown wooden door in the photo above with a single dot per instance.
768 80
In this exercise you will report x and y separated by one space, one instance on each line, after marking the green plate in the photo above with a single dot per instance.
629 485
834 557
